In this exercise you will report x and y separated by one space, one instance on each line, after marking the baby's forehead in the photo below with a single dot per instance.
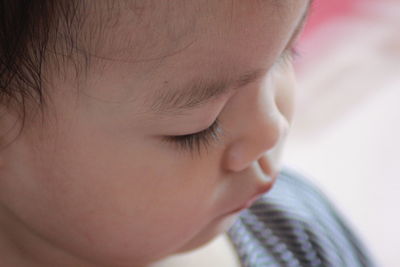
147 29
130 29
147 33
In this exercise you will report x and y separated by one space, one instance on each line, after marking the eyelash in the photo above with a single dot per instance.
190 142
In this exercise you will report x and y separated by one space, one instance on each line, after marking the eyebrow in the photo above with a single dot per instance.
200 92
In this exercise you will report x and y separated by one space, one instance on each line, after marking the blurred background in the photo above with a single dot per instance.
346 133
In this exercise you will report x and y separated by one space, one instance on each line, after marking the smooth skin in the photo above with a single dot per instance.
93 184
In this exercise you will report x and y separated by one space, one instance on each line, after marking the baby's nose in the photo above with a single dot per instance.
260 137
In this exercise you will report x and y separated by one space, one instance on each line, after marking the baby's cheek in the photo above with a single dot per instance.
285 84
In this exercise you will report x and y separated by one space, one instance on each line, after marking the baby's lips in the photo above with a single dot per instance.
266 187
261 191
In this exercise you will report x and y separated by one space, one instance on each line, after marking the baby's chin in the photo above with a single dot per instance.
215 228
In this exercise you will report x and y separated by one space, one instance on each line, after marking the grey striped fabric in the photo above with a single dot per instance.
295 225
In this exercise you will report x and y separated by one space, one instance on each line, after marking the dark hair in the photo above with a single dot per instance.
30 34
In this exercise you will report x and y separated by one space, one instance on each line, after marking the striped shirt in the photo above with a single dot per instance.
295 225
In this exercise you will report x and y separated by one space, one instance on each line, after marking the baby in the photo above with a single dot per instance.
135 130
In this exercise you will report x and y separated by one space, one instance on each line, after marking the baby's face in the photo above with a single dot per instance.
102 180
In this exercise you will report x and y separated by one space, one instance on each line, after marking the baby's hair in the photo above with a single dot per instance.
30 34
